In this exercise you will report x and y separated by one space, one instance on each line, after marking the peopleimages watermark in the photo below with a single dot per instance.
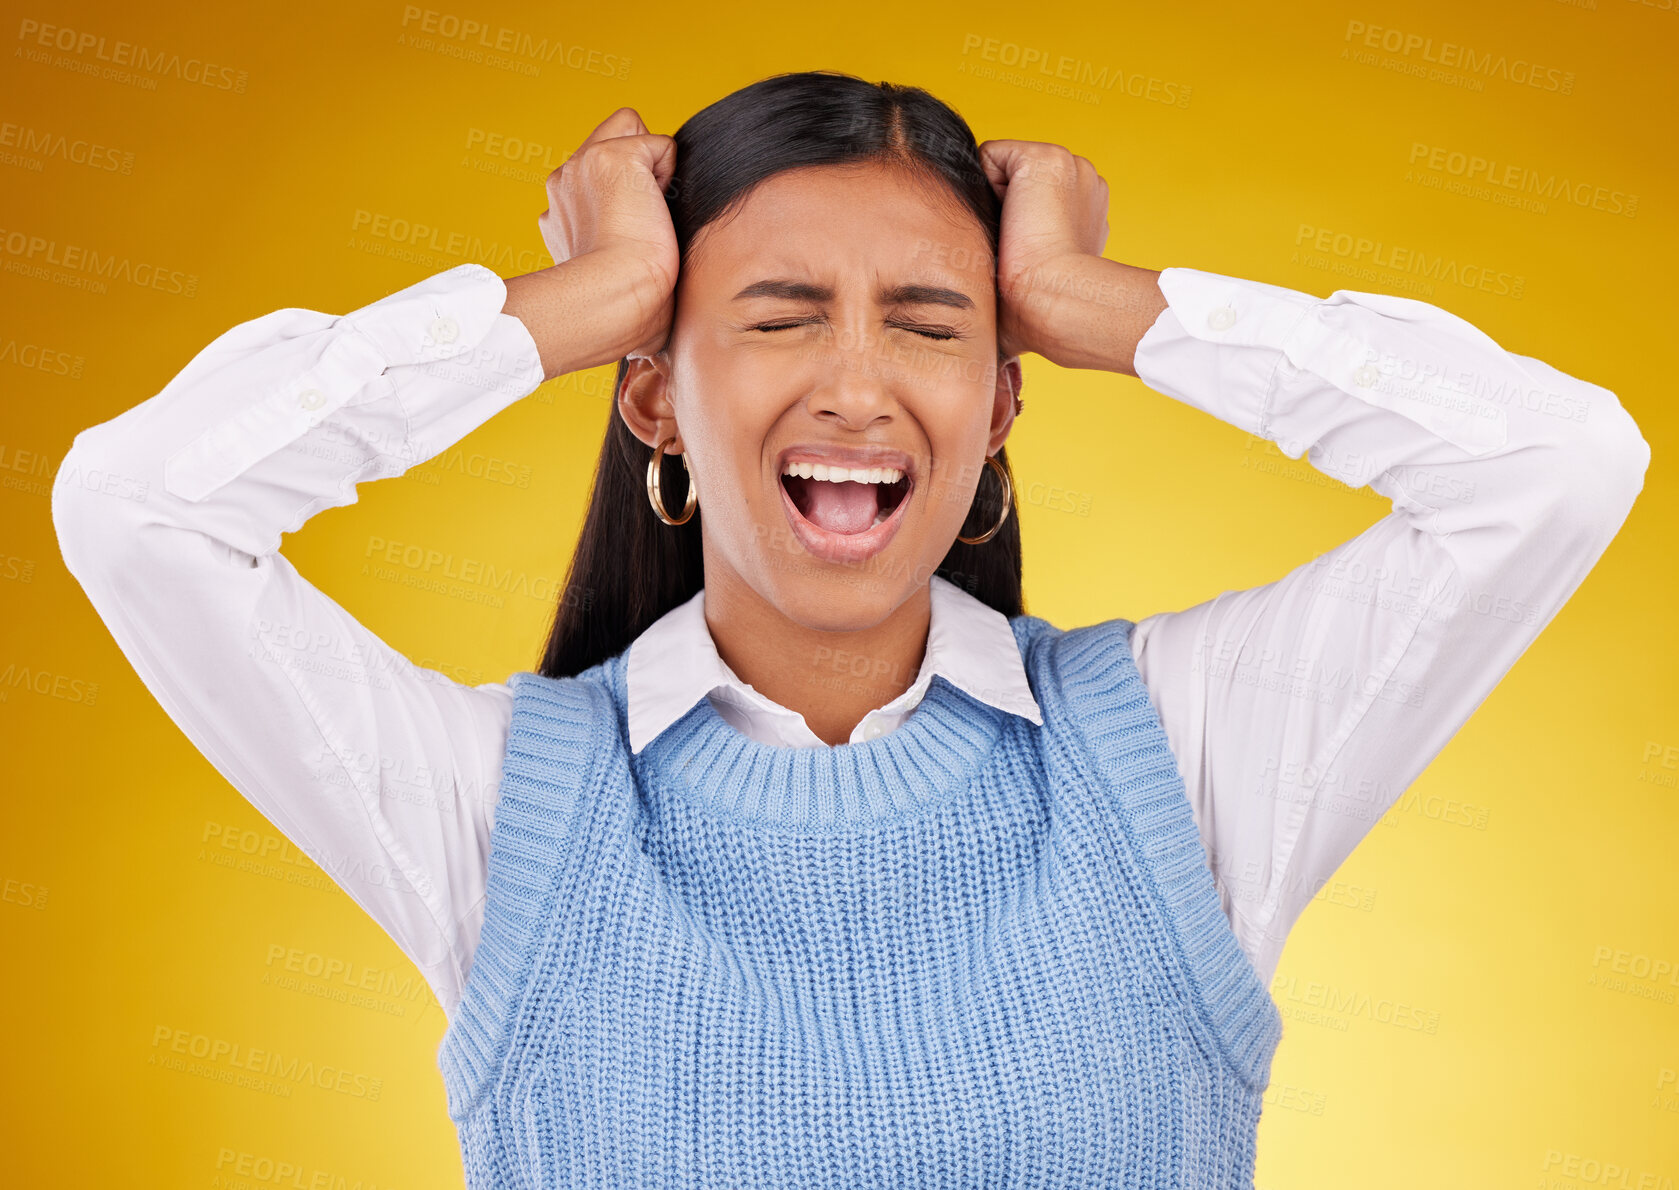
229 1061
1411 50
1341 1004
1516 185
47 259
410 239
14 569
23 894
433 569
1646 976
345 981
41 358
515 50
516 158
1362 251
1037 69
36 146
1664 757
1569 1171
74 47
47 683
239 1169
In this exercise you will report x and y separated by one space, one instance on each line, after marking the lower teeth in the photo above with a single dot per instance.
879 517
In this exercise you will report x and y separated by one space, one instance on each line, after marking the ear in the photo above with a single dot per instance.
644 402
1009 380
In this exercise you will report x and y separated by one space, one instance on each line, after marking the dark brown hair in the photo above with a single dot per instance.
629 567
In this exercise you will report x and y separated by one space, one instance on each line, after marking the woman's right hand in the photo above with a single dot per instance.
611 293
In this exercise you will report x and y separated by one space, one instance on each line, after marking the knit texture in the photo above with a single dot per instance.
971 952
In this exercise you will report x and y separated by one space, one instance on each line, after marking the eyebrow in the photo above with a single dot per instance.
896 295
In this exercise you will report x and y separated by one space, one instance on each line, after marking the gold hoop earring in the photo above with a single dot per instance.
653 496
1008 498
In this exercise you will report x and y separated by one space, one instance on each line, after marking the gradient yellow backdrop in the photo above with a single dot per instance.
245 163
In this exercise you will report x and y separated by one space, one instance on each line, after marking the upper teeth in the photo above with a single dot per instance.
844 474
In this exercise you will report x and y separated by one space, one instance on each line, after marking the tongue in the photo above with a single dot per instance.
847 507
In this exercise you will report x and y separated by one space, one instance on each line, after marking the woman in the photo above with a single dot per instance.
807 857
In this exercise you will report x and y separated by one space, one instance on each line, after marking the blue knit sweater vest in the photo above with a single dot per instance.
971 952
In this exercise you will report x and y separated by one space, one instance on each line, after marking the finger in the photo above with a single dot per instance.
997 158
652 150
664 159
623 122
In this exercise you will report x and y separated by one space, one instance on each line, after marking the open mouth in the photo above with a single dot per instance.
844 500
844 514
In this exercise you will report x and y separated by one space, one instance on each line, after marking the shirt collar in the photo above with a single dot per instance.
674 664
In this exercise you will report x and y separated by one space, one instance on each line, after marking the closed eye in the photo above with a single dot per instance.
925 332
929 332
785 326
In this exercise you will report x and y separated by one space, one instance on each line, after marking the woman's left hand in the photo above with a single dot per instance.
1055 220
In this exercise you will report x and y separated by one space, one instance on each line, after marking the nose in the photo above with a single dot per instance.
848 384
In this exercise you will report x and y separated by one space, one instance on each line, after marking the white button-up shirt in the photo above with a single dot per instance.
1299 711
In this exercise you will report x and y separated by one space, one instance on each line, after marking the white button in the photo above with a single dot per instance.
444 330
1222 319
311 398
1365 376
872 731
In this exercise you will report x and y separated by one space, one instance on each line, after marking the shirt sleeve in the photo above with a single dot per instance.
383 772
1300 711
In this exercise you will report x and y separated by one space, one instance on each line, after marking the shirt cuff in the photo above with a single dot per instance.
438 318
1218 343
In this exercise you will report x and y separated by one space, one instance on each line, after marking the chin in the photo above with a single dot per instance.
825 597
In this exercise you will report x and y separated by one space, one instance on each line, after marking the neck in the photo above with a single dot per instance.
832 674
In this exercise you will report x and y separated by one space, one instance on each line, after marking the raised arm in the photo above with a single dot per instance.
381 771
1301 710
385 773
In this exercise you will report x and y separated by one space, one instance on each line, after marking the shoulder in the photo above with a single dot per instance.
1086 678
1086 653
566 713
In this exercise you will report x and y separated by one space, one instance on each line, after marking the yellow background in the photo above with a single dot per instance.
112 923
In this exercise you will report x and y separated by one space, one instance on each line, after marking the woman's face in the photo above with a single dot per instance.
842 316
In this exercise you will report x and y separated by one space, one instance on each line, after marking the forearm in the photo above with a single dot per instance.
1094 311
579 312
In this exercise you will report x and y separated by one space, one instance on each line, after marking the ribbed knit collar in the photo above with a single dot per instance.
920 766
